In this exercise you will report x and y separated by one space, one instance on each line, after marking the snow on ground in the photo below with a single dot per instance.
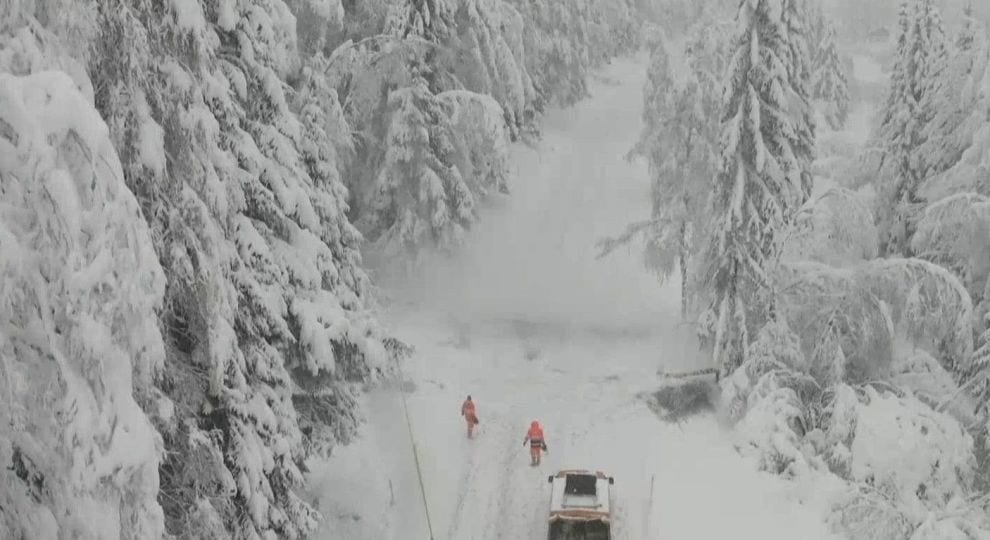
867 70
868 87
529 324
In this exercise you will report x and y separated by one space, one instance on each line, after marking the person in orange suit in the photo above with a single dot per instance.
534 437
470 416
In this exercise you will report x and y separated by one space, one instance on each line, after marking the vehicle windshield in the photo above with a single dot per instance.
579 530
580 484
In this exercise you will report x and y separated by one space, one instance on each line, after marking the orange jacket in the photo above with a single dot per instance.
534 435
467 409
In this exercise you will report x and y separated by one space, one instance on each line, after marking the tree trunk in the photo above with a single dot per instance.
682 262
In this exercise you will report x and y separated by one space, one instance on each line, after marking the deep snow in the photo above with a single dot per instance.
533 327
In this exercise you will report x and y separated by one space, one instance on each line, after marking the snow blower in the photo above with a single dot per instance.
684 394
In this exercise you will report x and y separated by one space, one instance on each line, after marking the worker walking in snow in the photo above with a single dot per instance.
534 437
470 416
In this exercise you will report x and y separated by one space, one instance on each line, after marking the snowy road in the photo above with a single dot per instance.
534 328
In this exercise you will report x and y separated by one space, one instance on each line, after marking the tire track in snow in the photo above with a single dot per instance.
467 483
478 502
516 507
468 486
503 492
490 504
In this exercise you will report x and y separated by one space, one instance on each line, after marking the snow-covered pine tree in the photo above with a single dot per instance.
300 308
421 30
795 21
679 140
525 55
557 52
955 97
818 25
971 172
267 304
980 365
967 37
952 232
919 59
429 20
338 342
490 58
148 67
481 140
392 87
899 136
622 21
79 288
760 183
830 86
420 197
876 306
933 45
317 23
609 28
474 45
836 228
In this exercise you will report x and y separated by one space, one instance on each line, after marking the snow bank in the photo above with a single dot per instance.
866 69
923 454
355 499
903 467
79 286
896 467
911 467
880 466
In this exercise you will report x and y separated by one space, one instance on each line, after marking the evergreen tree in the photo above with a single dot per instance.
266 308
420 197
564 40
471 50
761 179
899 134
481 140
951 232
293 325
971 172
558 56
795 21
830 85
679 140
954 98
420 30
818 27
429 20
525 55
909 108
490 58
934 46
79 290
981 369
835 228
230 134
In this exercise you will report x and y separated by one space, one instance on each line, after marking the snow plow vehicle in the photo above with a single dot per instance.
580 505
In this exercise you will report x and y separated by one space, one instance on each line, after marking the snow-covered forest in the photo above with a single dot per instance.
835 265
233 231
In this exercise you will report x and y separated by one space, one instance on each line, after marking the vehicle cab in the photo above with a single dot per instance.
580 505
